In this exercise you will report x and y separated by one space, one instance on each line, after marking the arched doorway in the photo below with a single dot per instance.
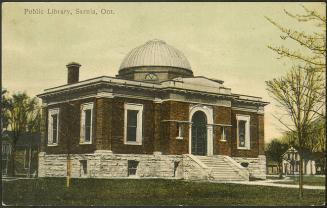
199 133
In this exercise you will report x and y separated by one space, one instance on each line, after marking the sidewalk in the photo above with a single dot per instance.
270 183
15 178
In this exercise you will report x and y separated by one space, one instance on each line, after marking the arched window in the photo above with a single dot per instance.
151 76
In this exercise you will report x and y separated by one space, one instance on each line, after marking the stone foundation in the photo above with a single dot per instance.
105 164
108 165
256 167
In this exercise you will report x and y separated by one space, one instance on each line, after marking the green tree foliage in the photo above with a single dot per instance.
275 151
23 114
315 140
316 135
298 94
4 106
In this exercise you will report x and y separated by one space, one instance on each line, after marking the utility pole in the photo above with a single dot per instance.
29 160
68 171
68 137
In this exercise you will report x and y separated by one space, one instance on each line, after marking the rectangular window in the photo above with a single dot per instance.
243 131
88 114
86 123
132 167
53 126
133 121
83 165
131 125
26 157
223 133
179 130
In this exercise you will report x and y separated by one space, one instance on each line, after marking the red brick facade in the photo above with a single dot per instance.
222 115
69 129
117 126
170 112
256 135
159 128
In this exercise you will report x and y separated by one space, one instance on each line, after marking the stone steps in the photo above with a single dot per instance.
220 170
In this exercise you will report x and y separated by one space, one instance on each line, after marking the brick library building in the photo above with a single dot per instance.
154 119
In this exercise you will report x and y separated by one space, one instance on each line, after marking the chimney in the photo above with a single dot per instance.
73 72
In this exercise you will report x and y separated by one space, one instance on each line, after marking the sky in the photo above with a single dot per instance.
226 41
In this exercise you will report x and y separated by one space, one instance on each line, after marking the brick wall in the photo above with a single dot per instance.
256 136
173 110
117 142
222 115
103 123
261 134
108 129
69 129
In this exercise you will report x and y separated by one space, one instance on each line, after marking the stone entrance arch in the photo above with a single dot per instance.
201 111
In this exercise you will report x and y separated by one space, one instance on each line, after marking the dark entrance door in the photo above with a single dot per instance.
199 133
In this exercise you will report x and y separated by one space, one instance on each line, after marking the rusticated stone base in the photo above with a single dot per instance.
256 167
105 164
108 165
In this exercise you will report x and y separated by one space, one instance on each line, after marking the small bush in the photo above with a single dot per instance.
245 164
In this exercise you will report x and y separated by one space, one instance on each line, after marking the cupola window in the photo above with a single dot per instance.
151 76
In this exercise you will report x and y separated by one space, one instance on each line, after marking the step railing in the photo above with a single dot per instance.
205 169
242 171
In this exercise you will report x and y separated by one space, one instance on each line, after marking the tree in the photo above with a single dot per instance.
316 135
275 151
298 94
4 106
23 116
315 140
301 92
315 56
312 55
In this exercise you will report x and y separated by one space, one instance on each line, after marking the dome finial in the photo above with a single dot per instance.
156 40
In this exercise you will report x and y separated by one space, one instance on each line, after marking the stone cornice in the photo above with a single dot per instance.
258 111
106 82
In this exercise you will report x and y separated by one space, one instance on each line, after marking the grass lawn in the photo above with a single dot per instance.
308 180
52 191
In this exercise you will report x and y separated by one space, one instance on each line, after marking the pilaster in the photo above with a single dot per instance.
157 126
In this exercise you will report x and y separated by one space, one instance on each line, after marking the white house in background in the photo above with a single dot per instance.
291 163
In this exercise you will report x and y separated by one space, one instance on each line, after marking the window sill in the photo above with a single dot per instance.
52 145
223 140
134 176
133 143
83 143
180 138
243 148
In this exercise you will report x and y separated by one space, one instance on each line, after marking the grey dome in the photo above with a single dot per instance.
155 53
